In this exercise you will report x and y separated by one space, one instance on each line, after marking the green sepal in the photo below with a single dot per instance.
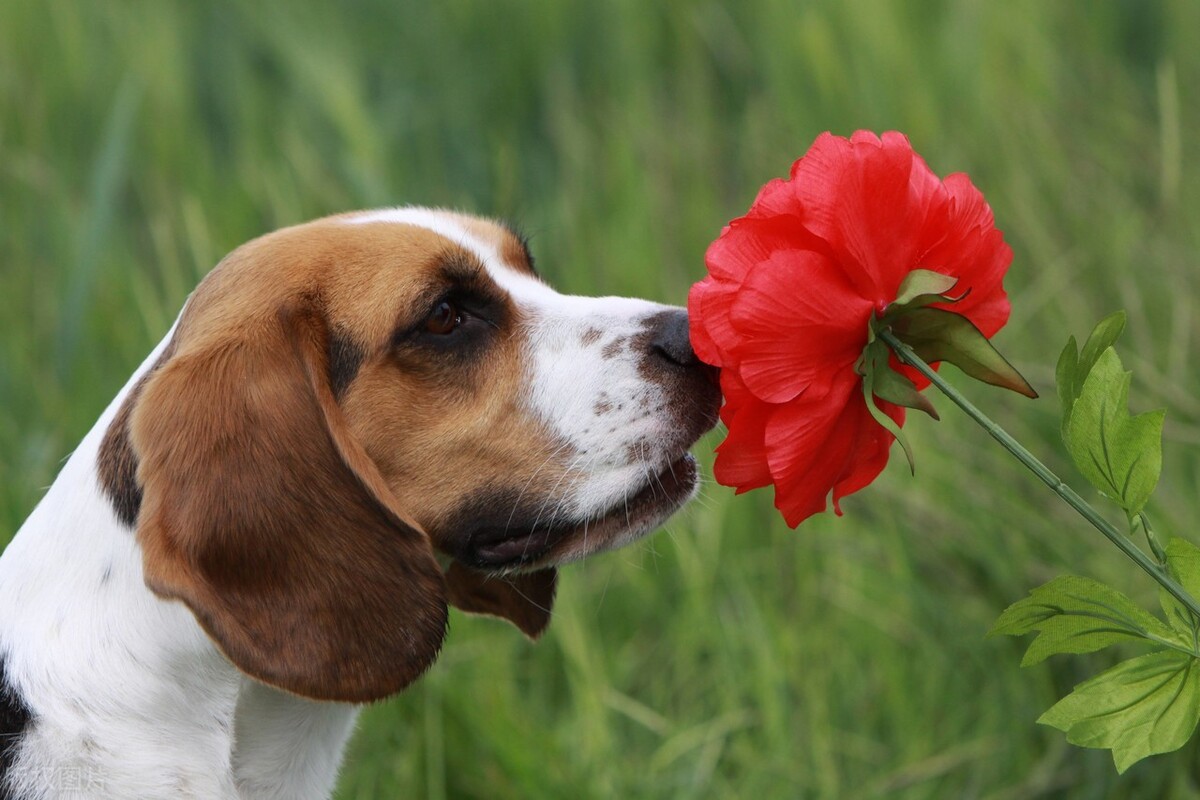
923 287
1140 707
939 335
1079 615
898 390
868 366
886 383
1119 454
1073 367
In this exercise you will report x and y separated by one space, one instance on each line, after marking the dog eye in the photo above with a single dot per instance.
444 318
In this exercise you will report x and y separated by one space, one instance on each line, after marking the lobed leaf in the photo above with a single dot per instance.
1079 615
1073 367
1140 707
1183 561
1102 337
1064 379
1119 454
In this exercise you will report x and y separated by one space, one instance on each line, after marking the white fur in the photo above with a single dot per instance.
131 699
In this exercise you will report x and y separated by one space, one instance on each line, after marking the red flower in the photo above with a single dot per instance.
792 286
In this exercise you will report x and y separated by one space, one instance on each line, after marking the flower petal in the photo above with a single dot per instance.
871 451
867 197
749 241
742 458
835 448
798 327
802 437
775 198
709 320
960 239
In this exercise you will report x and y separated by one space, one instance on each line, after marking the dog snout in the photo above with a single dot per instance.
670 341
669 338
691 385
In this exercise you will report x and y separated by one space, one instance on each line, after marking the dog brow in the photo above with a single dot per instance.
516 249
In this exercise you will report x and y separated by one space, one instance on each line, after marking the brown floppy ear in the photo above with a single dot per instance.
263 514
524 599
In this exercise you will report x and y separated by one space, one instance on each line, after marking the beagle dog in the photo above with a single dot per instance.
353 424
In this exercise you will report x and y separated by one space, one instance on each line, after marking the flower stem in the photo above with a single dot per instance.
1156 571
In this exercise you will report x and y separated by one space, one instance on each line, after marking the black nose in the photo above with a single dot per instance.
669 338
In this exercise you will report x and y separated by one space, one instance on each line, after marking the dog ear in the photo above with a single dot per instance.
524 599
267 518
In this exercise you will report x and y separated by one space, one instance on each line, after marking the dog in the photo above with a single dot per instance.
353 424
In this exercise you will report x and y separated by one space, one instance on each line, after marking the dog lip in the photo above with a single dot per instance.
657 498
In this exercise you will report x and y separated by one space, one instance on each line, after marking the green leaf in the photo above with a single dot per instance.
1079 615
1140 707
1119 454
1103 336
939 335
1183 559
1183 562
1073 367
1064 379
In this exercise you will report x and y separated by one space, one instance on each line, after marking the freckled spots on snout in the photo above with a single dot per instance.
603 405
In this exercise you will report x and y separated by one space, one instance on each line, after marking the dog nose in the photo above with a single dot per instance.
669 338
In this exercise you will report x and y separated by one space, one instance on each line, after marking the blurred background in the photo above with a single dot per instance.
727 656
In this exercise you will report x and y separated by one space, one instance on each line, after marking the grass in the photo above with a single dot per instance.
728 656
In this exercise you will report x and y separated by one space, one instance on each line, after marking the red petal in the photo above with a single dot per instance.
809 444
743 245
800 326
776 198
831 446
962 241
869 137
867 197
742 458
749 241
871 451
712 334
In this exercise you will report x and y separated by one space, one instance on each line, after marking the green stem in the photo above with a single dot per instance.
1159 573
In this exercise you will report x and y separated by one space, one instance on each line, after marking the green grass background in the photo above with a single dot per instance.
727 657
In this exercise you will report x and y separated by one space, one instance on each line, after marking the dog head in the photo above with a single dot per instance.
346 401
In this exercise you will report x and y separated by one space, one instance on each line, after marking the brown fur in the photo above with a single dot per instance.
264 516
297 527
524 599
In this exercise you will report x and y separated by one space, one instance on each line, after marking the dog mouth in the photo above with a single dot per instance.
528 539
